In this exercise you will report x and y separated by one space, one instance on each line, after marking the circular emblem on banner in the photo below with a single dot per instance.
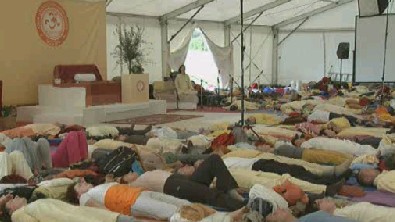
140 86
52 23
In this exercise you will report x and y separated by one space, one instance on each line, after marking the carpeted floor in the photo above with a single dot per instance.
216 109
155 119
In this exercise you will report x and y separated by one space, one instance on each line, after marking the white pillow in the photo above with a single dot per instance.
84 77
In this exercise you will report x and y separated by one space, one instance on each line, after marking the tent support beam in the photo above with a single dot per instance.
184 9
108 2
245 29
129 15
256 11
312 13
294 30
319 30
165 48
275 56
227 35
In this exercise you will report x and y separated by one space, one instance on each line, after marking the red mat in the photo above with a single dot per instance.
155 119
206 109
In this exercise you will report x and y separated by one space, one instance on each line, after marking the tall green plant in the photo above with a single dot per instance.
129 50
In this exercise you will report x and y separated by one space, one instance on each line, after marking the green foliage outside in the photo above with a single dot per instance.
198 42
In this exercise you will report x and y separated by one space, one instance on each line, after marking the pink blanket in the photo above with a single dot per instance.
73 149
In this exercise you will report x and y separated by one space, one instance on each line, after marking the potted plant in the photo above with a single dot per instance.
130 52
7 117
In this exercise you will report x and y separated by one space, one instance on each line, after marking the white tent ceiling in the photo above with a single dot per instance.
220 10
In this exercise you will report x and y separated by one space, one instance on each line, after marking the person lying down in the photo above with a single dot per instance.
18 209
327 212
126 200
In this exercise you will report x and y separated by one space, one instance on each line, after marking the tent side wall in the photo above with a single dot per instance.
310 52
261 45
261 53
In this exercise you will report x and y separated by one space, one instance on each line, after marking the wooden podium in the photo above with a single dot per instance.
135 88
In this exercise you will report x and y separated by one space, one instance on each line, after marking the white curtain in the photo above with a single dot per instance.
178 57
223 57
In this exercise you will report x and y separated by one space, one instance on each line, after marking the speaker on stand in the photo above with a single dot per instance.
372 7
343 52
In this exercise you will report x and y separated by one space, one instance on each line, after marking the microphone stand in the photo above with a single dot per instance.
231 89
201 93
218 88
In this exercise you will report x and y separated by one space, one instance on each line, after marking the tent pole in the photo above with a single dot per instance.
275 57
165 48
242 61
250 58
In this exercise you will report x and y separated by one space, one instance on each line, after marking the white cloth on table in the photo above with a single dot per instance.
84 77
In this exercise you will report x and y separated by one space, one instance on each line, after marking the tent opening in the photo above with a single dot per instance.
200 62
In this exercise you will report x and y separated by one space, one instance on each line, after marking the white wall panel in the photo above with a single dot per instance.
301 57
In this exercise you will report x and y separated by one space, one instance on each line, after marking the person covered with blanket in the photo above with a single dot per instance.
18 209
325 214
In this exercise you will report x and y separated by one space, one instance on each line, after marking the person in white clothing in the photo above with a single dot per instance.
124 199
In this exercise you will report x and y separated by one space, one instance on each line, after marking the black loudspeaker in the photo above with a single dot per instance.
343 50
372 7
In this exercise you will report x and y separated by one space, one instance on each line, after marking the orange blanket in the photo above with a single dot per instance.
120 198
19 132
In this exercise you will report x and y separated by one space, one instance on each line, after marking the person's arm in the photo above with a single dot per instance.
94 203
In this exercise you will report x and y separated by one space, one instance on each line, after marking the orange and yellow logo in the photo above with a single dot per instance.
52 23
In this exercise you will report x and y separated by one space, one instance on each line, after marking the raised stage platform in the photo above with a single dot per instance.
55 107
89 115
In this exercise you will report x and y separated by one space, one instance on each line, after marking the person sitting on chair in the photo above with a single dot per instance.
183 82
